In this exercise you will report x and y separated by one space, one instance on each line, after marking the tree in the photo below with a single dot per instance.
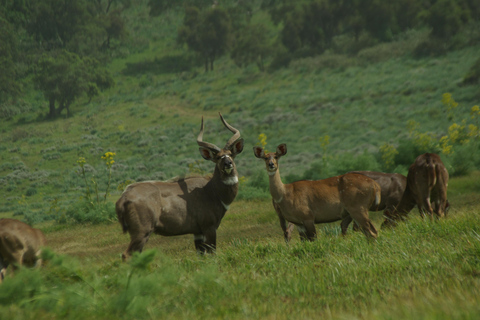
9 86
444 17
208 33
64 76
310 25
251 46
85 27
157 7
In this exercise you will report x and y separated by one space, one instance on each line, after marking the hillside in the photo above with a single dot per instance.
151 117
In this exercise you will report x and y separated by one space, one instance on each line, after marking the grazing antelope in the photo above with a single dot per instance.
305 203
194 205
427 182
392 185
20 245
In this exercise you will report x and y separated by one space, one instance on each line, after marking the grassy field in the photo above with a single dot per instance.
150 119
420 270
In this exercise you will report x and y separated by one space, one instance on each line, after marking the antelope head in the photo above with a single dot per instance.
223 158
271 158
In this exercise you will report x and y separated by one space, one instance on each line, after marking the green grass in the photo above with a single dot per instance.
420 270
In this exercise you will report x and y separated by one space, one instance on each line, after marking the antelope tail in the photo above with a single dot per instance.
431 172
120 207
378 195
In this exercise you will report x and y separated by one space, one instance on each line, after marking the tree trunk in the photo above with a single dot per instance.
51 112
67 106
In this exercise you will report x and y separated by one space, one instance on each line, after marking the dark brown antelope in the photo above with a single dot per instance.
305 203
194 205
427 182
20 245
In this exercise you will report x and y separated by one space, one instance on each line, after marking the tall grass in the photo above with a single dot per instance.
421 269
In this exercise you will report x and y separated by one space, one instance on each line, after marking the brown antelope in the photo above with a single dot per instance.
427 182
20 245
392 186
305 203
194 205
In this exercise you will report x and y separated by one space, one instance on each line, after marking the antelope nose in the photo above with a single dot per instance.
271 165
228 163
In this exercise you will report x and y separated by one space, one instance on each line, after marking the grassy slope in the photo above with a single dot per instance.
154 125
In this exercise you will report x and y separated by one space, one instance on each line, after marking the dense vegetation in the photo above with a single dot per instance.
95 94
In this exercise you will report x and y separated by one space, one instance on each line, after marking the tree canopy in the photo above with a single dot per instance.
206 32
65 76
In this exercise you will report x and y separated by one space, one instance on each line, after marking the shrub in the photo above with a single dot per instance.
430 47
31 191
259 180
87 212
462 161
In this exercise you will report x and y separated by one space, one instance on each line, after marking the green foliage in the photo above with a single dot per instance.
473 75
87 212
388 152
444 17
158 7
65 76
251 46
341 164
90 209
206 32
9 85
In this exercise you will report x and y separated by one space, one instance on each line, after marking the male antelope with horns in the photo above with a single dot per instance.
305 203
194 205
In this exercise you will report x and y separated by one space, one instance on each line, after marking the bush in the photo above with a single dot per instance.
431 47
352 162
86 212
31 191
473 75
259 180
463 159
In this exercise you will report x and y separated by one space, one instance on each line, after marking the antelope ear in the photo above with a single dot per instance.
258 152
237 147
207 154
281 150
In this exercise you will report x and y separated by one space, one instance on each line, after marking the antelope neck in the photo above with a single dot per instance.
225 189
277 188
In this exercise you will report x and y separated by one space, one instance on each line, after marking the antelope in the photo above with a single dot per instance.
305 203
20 245
194 205
427 182
392 186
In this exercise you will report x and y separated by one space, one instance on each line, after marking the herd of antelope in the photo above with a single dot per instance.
196 205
